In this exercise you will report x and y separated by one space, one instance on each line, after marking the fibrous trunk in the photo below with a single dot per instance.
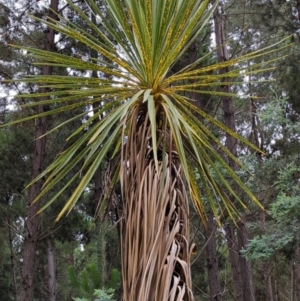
155 242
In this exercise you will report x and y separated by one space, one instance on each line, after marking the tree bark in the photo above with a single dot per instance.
268 281
212 260
297 272
32 221
51 270
292 280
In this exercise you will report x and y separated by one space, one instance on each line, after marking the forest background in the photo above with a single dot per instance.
258 260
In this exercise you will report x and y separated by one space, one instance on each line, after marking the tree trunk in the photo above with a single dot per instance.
211 247
292 280
212 260
241 269
245 267
234 261
32 221
155 245
51 270
231 145
297 272
276 290
268 281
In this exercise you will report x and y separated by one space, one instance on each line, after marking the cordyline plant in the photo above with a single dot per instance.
149 124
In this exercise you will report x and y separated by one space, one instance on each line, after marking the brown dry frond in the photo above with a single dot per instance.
155 246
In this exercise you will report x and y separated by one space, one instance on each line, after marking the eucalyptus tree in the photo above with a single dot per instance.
163 155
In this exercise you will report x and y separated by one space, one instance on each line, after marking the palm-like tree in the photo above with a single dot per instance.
149 125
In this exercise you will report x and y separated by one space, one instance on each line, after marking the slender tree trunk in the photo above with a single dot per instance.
297 272
231 145
245 267
242 275
32 221
212 260
276 290
51 270
292 280
268 281
234 261
211 246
